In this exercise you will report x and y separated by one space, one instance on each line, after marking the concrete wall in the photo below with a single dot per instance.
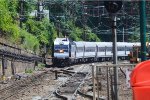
19 67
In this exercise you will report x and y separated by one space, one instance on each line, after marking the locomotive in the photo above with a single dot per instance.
66 52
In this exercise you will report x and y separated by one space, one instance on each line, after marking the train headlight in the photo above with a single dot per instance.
61 51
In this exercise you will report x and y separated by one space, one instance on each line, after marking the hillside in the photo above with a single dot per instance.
36 33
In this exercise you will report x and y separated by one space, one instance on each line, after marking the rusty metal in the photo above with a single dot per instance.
105 76
56 76
93 79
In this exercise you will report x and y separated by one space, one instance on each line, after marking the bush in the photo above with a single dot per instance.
41 66
28 71
30 42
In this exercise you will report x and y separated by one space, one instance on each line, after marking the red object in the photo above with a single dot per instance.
140 81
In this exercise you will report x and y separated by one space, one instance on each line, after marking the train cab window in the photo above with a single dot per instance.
61 47
64 39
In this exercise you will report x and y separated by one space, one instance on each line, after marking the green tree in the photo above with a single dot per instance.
29 42
7 25
135 37
43 30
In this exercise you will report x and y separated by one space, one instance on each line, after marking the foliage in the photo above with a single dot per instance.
28 71
91 36
10 27
30 42
12 7
7 26
5 17
41 66
77 33
73 37
43 30
136 36
53 33
15 34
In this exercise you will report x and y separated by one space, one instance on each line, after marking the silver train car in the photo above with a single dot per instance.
66 52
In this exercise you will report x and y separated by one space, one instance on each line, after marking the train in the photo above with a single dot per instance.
67 52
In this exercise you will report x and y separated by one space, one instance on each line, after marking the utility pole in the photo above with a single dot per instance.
84 21
40 10
3 65
21 12
123 31
113 7
142 5
50 4
123 34
59 28
114 35
93 79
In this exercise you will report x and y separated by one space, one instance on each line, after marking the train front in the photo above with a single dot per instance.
61 51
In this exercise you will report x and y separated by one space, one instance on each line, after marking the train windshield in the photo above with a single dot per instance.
61 47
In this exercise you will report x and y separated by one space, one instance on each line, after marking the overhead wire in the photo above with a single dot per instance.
128 12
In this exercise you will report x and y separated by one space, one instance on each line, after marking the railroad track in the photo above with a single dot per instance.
68 90
20 85
71 83
25 83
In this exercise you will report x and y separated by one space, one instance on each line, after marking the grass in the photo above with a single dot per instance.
41 66
28 71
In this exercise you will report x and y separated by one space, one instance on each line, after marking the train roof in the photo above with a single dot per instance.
64 41
86 44
79 43
103 44
90 44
